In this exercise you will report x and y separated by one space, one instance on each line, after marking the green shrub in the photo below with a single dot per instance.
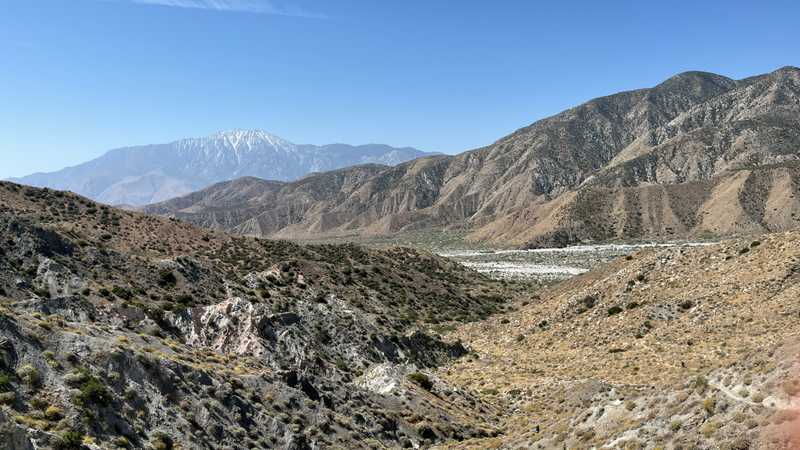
93 392
121 292
122 441
7 398
166 278
421 380
5 382
69 440
710 405
29 375
53 413
700 383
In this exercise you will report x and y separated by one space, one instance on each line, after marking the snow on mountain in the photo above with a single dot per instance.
153 173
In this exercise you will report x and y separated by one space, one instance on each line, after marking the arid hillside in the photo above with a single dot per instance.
131 331
673 348
698 154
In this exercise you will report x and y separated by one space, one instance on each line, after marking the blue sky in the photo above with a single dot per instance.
83 76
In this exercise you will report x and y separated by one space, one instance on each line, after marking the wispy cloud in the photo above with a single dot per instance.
244 6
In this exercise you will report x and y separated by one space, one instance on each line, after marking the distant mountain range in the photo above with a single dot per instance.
153 173
698 154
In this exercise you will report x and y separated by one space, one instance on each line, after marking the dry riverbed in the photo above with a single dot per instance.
549 264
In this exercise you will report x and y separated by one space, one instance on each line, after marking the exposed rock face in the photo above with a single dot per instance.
661 161
13 436
57 279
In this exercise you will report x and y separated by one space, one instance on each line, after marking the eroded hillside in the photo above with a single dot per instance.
692 347
121 330
695 155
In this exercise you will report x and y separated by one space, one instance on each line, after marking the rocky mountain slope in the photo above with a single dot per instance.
153 173
697 154
121 330
693 347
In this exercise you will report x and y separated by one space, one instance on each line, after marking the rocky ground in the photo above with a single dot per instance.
120 330
683 347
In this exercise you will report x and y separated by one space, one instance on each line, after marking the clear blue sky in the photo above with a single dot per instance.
79 77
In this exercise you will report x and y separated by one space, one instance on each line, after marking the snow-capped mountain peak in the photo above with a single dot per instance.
153 173
238 141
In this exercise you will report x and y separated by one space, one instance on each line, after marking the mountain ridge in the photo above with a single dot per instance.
139 175
685 132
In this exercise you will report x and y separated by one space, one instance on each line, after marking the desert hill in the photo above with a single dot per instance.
690 347
126 329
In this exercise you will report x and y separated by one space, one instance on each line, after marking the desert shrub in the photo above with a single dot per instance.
93 392
121 292
69 440
77 377
185 299
39 403
53 413
166 278
614 310
421 380
700 383
710 405
5 382
29 375
161 441
7 398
